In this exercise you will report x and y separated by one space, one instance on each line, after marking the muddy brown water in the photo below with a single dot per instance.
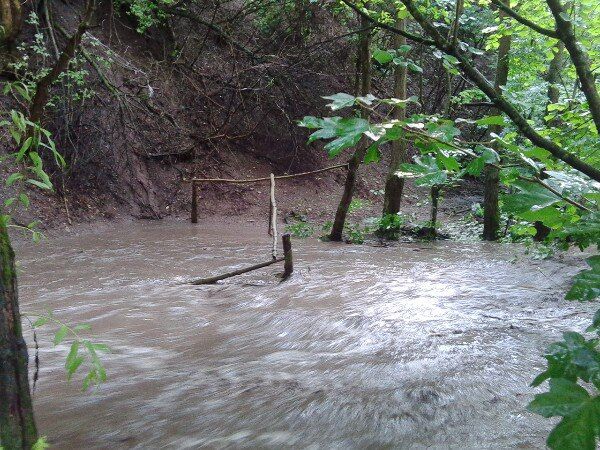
415 346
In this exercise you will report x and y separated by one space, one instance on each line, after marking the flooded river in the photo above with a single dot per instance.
415 346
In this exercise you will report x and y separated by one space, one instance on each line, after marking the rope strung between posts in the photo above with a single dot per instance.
258 180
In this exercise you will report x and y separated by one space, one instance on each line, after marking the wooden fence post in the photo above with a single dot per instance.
194 202
273 217
288 262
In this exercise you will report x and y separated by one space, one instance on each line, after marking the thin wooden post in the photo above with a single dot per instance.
270 231
194 202
288 264
273 217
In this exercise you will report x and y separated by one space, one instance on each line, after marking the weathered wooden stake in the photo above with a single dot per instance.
273 217
194 202
288 264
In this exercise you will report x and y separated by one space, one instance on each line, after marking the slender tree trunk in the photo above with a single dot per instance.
434 194
491 217
581 60
553 78
364 52
394 185
17 425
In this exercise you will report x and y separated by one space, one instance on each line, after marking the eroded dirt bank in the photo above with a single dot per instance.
420 345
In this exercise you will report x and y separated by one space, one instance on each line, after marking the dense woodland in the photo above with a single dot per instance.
110 108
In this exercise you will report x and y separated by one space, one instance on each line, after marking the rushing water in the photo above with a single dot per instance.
415 346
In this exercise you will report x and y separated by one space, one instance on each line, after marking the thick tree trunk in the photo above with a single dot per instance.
11 22
364 52
17 425
491 218
491 213
394 185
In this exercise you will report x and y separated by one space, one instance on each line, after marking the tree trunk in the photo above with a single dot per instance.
17 425
364 55
491 217
581 60
11 22
431 230
553 78
394 185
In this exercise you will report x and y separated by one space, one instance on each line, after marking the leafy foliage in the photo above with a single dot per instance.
81 350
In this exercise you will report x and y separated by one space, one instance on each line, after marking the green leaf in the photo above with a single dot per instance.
382 56
40 444
26 145
586 284
585 232
24 199
61 334
491 120
476 166
564 398
413 67
433 179
39 184
75 364
12 178
311 122
72 355
373 154
532 196
340 100
41 321
579 430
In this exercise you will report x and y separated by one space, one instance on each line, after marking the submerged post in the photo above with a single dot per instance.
194 202
273 217
288 262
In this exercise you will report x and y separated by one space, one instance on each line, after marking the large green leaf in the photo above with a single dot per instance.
578 431
532 196
346 131
585 232
586 284
564 398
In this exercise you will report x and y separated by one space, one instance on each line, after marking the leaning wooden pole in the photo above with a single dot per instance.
212 280
273 217
288 261
194 202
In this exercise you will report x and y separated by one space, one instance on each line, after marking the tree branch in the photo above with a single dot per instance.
579 57
42 88
528 23
499 101
385 26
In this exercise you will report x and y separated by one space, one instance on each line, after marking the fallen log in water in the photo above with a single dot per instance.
287 269
214 279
